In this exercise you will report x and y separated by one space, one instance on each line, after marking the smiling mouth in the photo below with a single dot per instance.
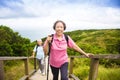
59 31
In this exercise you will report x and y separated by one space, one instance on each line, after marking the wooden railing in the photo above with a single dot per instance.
92 73
93 65
25 59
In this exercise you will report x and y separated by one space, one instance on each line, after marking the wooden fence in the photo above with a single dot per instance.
93 65
92 73
25 59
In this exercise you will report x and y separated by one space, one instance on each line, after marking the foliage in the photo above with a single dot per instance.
12 69
81 70
108 73
12 44
105 41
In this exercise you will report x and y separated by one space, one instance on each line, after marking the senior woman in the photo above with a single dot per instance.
58 53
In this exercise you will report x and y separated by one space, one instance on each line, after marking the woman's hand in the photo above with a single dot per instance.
32 56
89 55
49 38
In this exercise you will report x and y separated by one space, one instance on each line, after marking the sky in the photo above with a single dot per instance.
34 19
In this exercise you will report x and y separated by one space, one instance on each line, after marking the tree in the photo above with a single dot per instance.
12 44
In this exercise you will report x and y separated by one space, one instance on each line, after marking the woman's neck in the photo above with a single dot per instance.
59 36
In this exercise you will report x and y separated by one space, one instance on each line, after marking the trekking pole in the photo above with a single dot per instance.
48 61
48 68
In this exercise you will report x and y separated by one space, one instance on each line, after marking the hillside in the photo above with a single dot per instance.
105 41
92 41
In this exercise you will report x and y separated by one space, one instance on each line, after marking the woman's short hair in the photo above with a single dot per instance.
57 22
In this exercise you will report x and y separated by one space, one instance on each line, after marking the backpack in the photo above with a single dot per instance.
66 38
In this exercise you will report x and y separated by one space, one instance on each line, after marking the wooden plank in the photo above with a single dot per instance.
93 69
102 56
26 68
24 78
107 56
71 65
12 58
74 77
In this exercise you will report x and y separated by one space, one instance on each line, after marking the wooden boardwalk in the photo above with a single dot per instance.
39 76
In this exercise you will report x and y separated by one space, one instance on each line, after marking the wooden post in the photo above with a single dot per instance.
1 70
26 68
71 65
93 69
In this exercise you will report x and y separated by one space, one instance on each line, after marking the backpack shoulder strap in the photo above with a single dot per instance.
52 37
36 48
66 37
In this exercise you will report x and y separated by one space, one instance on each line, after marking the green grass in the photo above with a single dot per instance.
16 71
108 73
82 72
103 73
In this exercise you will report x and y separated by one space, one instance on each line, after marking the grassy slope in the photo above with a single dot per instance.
16 71
97 42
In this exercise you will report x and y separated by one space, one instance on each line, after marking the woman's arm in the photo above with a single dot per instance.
46 44
45 47
33 54
77 48
73 45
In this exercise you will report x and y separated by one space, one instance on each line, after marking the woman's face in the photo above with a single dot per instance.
59 28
